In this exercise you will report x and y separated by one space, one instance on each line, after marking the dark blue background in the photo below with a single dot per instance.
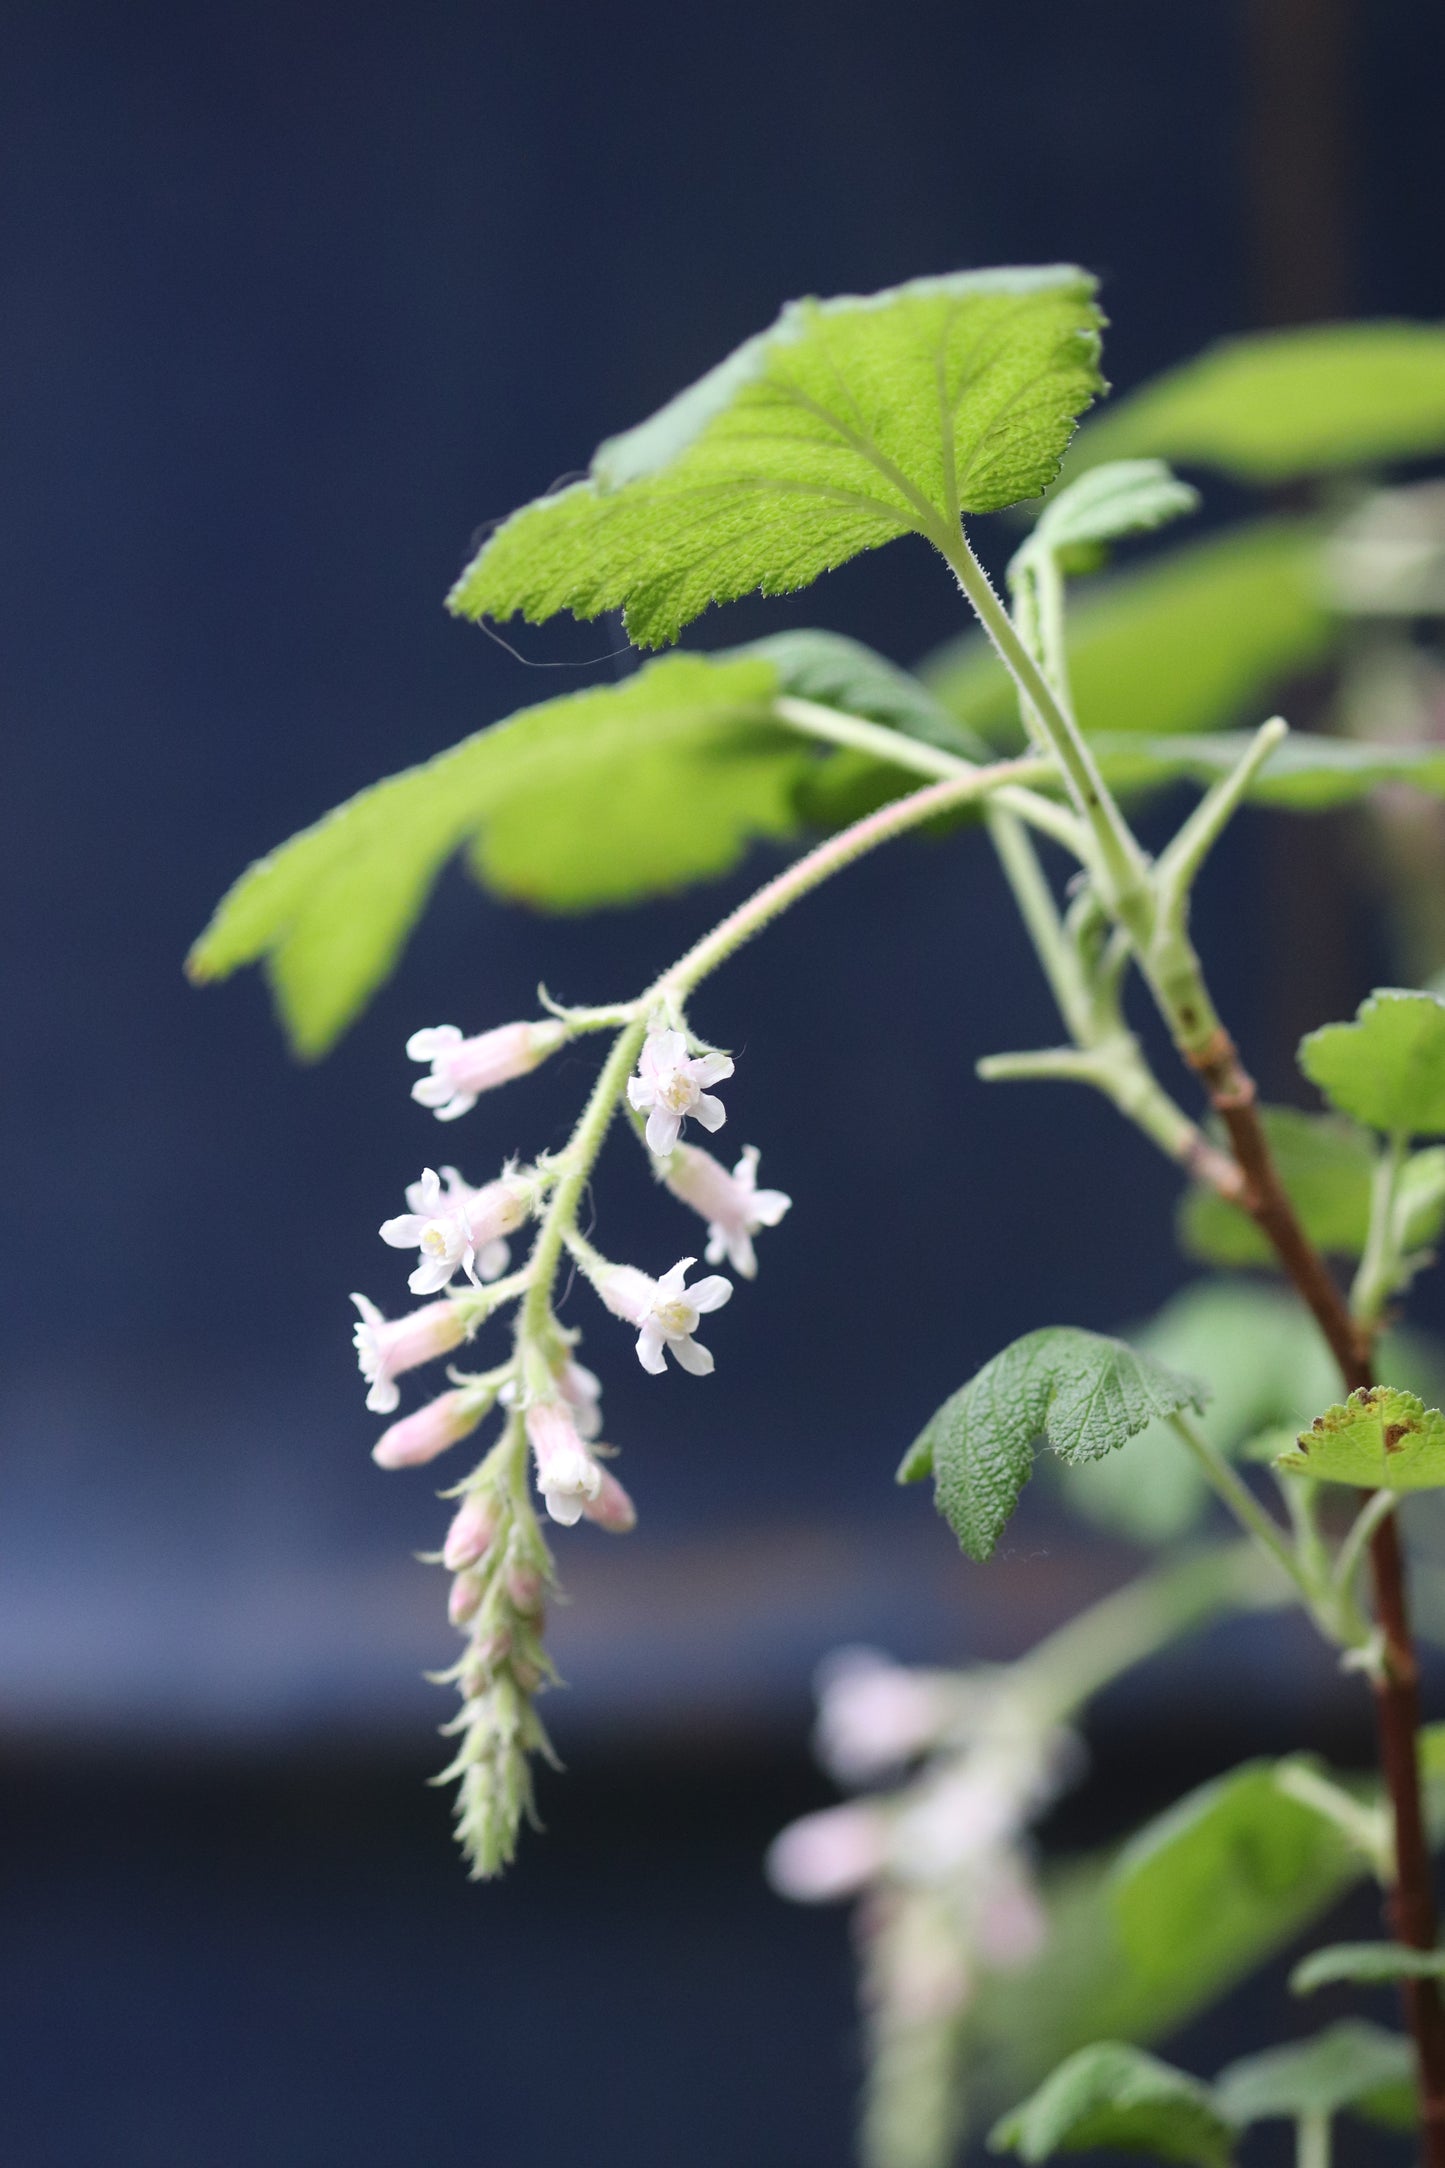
295 297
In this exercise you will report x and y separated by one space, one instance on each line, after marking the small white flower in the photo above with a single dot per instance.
567 1475
874 1715
669 1085
461 1068
385 1347
830 1854
582 1390
457 1227
732 1204
671 1319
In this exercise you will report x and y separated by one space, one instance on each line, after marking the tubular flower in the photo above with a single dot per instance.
732 1204
471 1535
567 1475
461 1068
386 1347
611 1509
457 1226
672 1316
582 1390
669 1085
420 1437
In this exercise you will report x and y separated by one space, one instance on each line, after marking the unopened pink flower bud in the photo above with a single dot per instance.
419 1438
612 1509
465 1599
461 1068
828 1855
492 1649
524 1590
527 1674
567 1475
474 1525
387 1347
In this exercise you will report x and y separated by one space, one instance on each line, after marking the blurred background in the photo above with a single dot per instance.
296 297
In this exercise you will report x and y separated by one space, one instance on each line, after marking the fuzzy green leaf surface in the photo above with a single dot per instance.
1380 1439
848 423
1193 641
1086 1394
1326 1165
1366 1964
1282 405
595 798
1235 1867
1128 496
1387 1069
1114 2095
1351 2065
1261 1355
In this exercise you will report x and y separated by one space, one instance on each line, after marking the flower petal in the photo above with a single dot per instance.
711 1293
460 1103
692 1356
649 1348
662 1129
431 1277
641 1092
403 1232
712 1068
435 1039
709 1111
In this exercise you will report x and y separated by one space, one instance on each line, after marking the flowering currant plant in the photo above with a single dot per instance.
1298 1413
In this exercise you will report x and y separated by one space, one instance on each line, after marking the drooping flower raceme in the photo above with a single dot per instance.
670 1085
732 1204
457 1227
461 1068
665 1310
385 1347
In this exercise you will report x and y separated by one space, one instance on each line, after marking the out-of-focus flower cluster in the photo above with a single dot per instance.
940 1863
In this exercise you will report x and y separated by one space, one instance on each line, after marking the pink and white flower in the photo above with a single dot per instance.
419 1438
454 1226
665 1310
461 1068
874 1715
385 1347
834 1853
612 1508
568 1477
582 1390
732 1204
471 1535
670 1085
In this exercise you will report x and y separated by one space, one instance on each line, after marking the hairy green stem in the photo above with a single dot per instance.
1314 2146
1380 1265
1240 1499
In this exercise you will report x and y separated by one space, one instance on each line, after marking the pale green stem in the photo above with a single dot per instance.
1240 1499
900 751
1049 585
1314 2146
1366 1828
1380 1264
1056 953
831 857
1377 1507
1122 863
1068 1667
1179 866
1117 1069
577 1161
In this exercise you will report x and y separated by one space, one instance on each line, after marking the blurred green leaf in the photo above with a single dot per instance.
1188 642
1084 1393
1387 1069
1303 774
1325 1164
1379 1439
1366 1964
1230 1872
1281 405
846 424
1111 2094
837 672
1352 2065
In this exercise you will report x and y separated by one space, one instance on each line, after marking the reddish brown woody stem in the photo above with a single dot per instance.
1397 1693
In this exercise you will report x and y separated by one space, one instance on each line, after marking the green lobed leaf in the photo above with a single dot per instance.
1387 1069
1380 1439
1084 1393
1351 2065
848 423
1128 496
685 755
1326 1165
1366 1964
1192 641
1260 1353
1229 1873
1112 2094
1281 405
